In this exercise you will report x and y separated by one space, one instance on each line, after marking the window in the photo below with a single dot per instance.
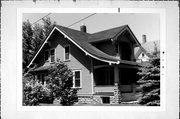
67 52
46 55
52 55
41 77
77 79
49 55
109 77
126 51
117 49
105 74
105 100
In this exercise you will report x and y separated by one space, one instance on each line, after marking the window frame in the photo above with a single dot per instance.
65 52
49 55
54 55
42 77
75 79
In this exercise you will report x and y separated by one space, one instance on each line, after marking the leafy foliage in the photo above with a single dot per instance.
58 86
150 81
33 36
27 42
34 92
60 82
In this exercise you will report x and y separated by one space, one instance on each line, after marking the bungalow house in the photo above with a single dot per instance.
103 63
144 52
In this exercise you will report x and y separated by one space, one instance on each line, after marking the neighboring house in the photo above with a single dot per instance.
103 63
144 52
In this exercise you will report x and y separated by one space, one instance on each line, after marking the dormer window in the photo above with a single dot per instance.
49 55
67 52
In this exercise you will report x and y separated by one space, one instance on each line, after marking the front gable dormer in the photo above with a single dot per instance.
121 45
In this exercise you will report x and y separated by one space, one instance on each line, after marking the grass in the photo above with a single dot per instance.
121 104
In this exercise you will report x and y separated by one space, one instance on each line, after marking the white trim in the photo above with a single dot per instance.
68 45
74 78
72 42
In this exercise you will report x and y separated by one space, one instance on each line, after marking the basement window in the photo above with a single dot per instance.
105 100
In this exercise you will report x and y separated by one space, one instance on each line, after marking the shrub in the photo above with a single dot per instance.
34 92
58 86
60 82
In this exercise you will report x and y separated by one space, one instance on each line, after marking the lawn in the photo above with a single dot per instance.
121 104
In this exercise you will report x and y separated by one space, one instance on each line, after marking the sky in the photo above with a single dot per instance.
139 23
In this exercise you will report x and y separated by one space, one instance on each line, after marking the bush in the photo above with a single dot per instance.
34 92
60 82
58 86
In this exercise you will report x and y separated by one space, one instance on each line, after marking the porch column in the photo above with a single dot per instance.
92 75
116 74
117 94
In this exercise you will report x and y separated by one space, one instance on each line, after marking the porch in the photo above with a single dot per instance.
113 80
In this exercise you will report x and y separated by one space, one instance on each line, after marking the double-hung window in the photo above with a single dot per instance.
67 52
46 55
41 77
77 79
49 55
52 54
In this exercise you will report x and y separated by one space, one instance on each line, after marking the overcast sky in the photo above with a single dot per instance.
140 23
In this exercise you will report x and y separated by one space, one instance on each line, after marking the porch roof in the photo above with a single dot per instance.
42 68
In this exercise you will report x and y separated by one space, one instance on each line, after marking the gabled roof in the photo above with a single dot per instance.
148 48
84 40
106 34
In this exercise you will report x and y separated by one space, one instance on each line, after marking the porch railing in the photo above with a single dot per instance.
104 88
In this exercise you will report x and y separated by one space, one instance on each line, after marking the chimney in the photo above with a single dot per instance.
83 28
143 39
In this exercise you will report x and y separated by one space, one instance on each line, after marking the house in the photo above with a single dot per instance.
103 63
144 52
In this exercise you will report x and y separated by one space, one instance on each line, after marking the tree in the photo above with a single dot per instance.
27 43
150 81
33 37
60 82
58 86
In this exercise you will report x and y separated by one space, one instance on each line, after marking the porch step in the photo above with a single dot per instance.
104 93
